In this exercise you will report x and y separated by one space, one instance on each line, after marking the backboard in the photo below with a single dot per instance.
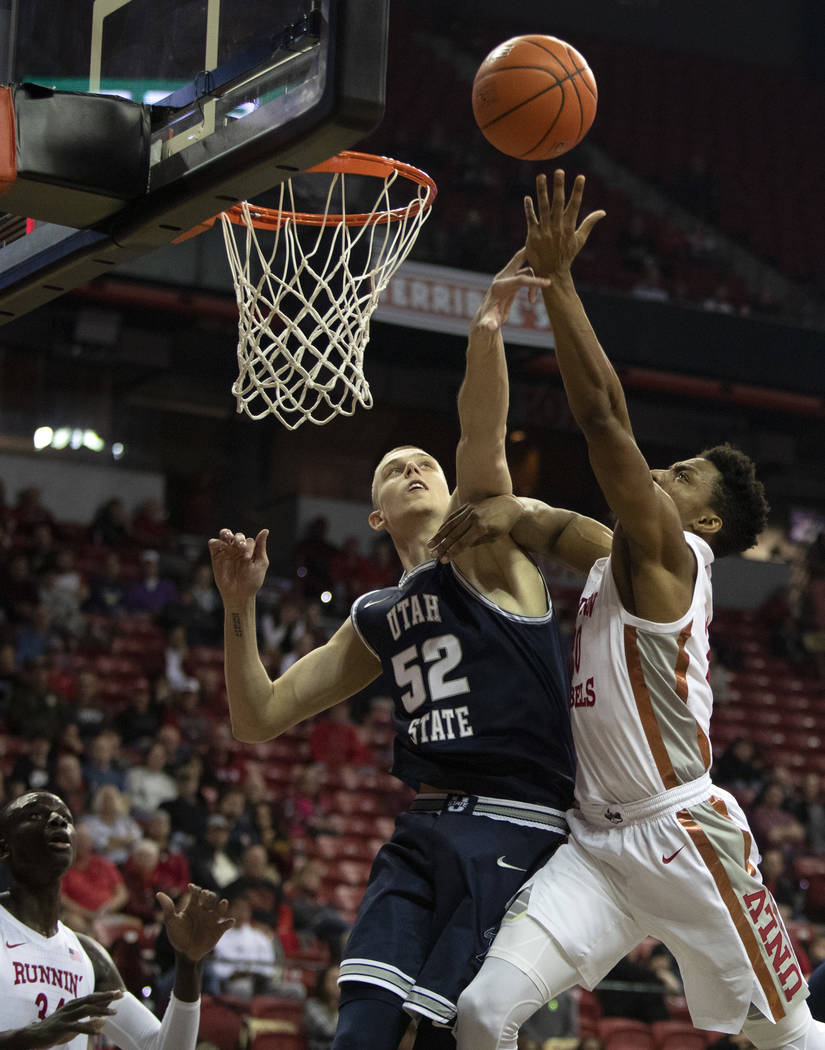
243 93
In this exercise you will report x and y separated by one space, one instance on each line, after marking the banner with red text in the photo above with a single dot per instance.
441 299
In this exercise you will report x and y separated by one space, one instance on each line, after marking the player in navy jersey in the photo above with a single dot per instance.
471 652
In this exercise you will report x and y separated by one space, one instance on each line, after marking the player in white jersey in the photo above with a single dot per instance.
655 848
58 987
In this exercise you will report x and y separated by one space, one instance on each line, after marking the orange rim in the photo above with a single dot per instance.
347 162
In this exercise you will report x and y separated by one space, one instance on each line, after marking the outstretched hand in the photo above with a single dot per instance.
507 283
239 565
196 927
555 237
474 524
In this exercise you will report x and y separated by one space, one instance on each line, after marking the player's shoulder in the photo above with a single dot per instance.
106 973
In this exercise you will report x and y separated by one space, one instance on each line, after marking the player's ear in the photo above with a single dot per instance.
376 520
707 523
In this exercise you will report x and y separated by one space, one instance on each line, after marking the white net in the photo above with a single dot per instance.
306 294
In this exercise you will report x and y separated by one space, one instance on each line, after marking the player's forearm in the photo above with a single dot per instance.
187 979
248 686
21 1039
593 389
483 403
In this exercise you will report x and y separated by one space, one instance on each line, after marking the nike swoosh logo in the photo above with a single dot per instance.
14 945
502 863
667 860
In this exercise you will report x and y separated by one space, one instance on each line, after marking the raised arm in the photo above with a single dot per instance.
484 396
554 238
573 539
260 709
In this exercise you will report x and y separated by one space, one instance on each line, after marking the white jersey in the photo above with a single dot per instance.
640 701
39 974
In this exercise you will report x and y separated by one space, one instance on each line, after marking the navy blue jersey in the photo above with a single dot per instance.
480 695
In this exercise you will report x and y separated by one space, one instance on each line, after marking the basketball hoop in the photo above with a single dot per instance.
307 284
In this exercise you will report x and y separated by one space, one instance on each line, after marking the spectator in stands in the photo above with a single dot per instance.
139 872
650 285
69 784
186 714
42 553
776 876
107 589
89 708
223 759
635 245
92 889
349 571
151 593
232 805
250 962
58 675
11 681
645 997
312 918
19 592
209 627
314 555
37 635
150 525
259 884
29 511
70 742
188 810
321 1010
149 784
589 1042
272 831
33 769
113 830
210 863
172 873
741 769
37 710
336 741
100 767
304 811
809 810
139 720
110 524
383 568
773 825
176 660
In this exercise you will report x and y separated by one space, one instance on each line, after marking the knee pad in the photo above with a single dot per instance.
795 1031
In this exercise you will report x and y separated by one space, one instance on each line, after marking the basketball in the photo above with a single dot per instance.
534 97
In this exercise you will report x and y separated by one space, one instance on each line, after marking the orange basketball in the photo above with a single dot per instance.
534 97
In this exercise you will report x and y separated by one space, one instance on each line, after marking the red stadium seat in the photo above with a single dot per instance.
277 1041
220 1024
278 1008
621 1033
676 1035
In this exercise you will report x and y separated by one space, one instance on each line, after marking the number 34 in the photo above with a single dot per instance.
438 656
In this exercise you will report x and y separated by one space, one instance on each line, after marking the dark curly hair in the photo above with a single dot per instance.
739 498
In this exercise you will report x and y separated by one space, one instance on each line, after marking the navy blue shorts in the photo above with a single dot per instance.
436 895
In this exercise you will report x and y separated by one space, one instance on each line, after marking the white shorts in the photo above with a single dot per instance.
685 874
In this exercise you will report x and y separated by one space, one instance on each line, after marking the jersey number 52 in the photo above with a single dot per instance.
438 656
